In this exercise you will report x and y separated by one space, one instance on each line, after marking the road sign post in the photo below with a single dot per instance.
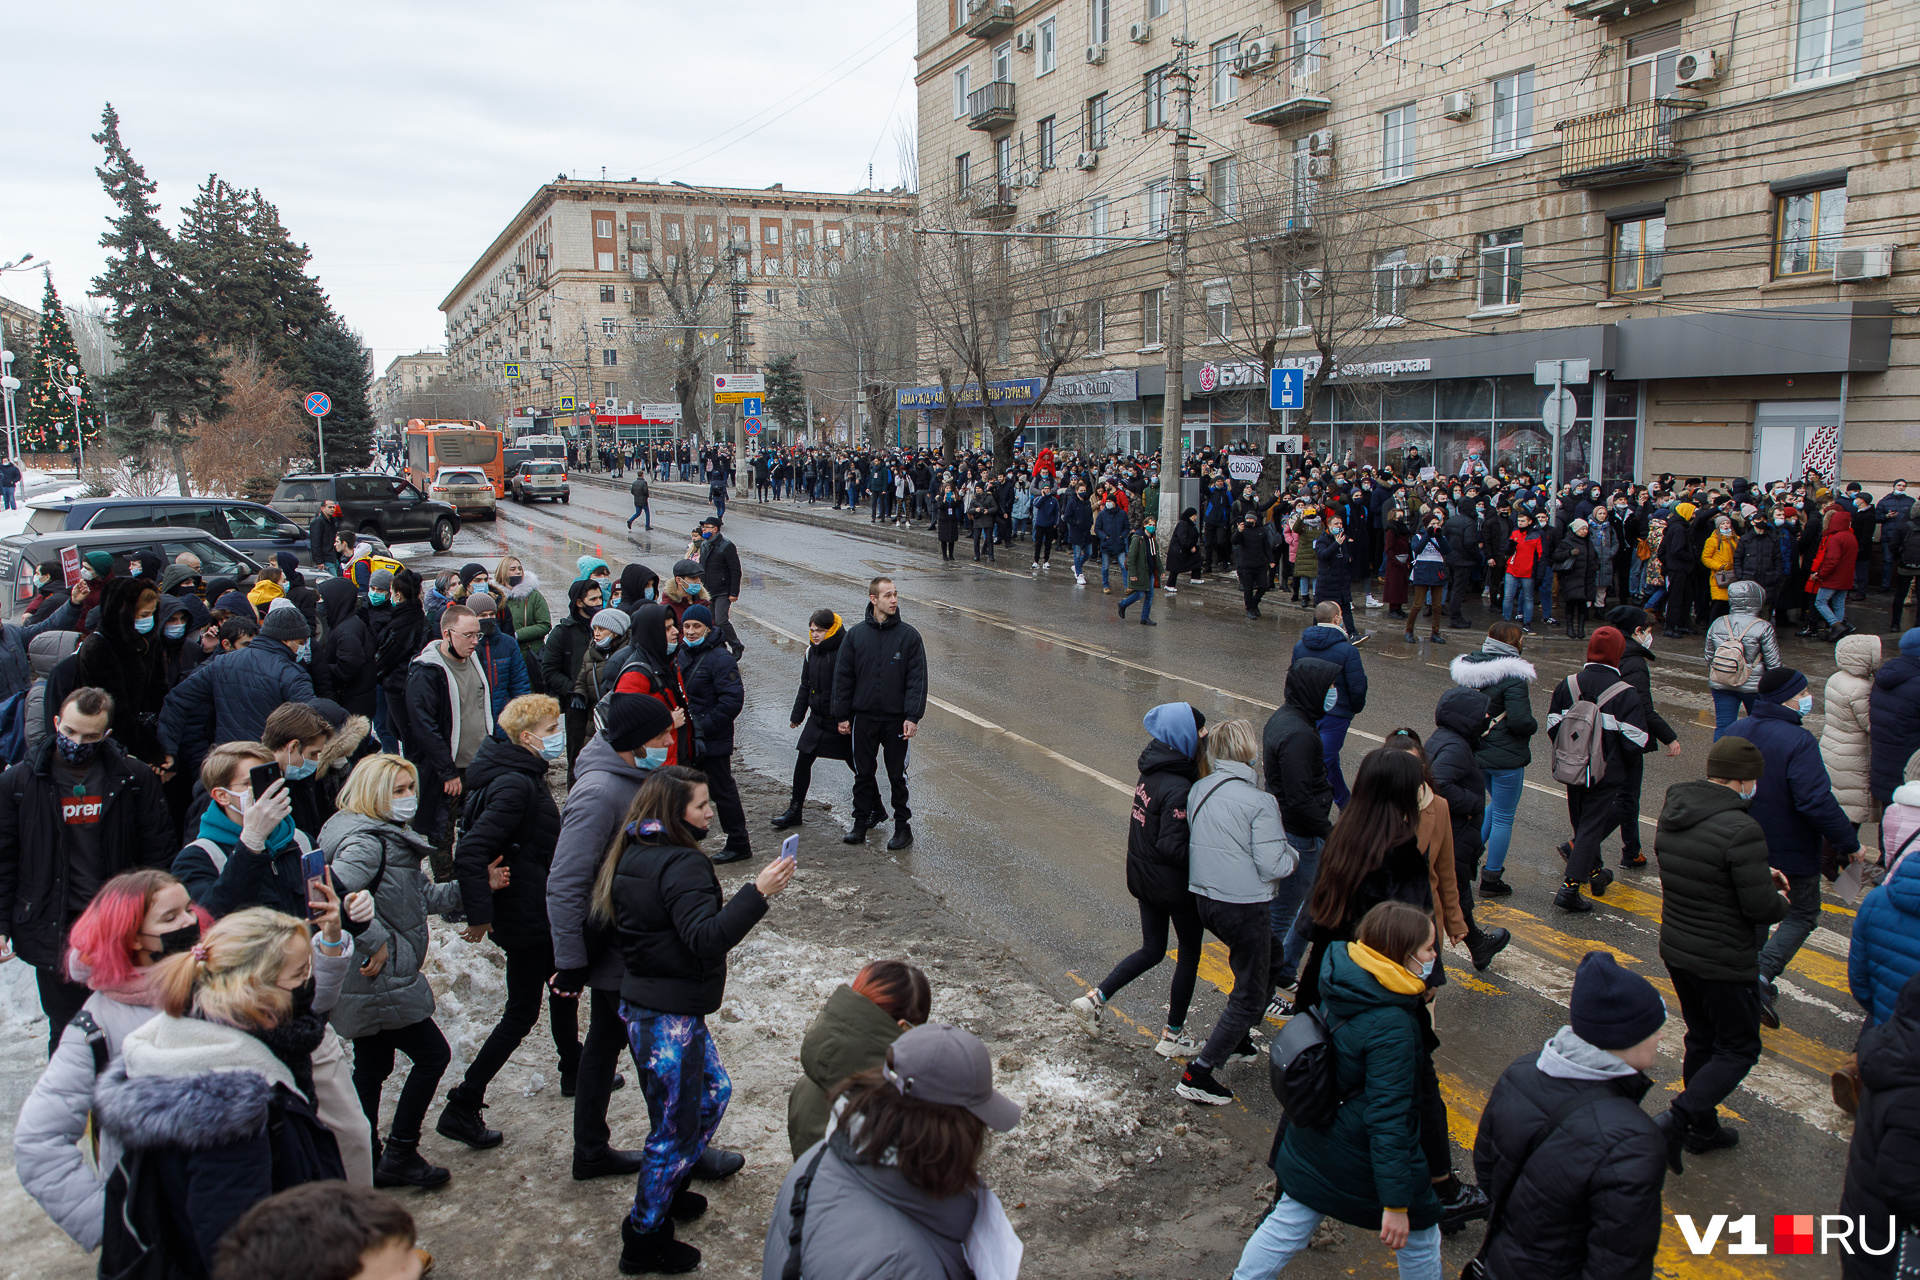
1287 389
1560 410
319 404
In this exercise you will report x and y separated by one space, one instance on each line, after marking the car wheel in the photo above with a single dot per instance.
374 530
567 498
442 534
493 513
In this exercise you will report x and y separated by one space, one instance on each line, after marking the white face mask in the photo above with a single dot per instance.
1751 791
404 807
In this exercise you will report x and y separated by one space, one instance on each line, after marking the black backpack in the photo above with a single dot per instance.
1304 1069
143 1238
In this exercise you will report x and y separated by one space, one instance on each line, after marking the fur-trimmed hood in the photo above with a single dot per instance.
344 743
182 1082
1484 670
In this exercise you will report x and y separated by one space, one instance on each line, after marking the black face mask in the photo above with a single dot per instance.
175 941
488 627
303 998
698 833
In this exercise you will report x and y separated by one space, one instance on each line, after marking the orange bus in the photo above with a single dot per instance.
433 443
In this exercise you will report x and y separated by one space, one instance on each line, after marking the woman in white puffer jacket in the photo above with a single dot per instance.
1844 743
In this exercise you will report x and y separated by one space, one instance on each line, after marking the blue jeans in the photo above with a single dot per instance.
1288 1228
1079 559
1306 587
6 494
1728 706
1145 596
1496 821
1111 560
1518 591
1333 736
1289 900
1803 916
1832 604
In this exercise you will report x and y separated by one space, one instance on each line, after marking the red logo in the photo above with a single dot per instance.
1793 1233
81 810
1209 377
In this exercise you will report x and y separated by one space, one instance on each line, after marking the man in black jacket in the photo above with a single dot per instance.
720 575
1587 1201
715 697
75 813
880 697
1460 722
1591 805
1295 767
1636 663
1464 555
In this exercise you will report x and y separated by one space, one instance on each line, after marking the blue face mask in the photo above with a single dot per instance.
143 625
376 597
1425 970
672 645
175 630
305 769
693 588
1806 704
657 756
648 593
554 745
133 570
1333 696
695 644
306 652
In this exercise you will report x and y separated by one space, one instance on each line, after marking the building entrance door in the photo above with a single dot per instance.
1781 431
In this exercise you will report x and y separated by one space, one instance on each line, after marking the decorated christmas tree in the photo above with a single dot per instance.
47 426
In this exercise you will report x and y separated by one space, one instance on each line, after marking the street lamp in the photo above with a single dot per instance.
8 385
74 393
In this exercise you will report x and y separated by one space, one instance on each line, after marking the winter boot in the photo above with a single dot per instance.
401 1166
1492 885
791 818
1490 944
654 1252
859 833
1569 899
461 1122
902 836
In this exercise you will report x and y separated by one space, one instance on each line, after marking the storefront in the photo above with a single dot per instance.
1092 411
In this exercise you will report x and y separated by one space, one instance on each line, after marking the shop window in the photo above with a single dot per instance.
1809 225
1638 247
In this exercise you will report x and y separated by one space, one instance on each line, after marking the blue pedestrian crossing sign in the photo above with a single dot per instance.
750 406
566 404
510 371
1287 388
753 424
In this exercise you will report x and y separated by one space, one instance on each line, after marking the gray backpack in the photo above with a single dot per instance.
1579 744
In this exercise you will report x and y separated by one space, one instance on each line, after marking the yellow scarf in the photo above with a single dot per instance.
1390 974
834 630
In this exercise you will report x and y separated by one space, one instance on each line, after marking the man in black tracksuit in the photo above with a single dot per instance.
720 574
1295 769
880 697
1592 805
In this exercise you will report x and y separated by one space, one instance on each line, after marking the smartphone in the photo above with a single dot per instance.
262 776
313 866
790 848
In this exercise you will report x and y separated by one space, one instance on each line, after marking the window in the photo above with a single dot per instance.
1049 42
833 234
773 297
1154 95
609 356
1402 19
1500 254
603 228
1159 206
1638 244
1396 143
1650 64
1097 326
802 237
1002 341
1223 185
1095 124
1296 293
672 229
1809 229
706 233
1003 160
603 261
608 327
1305 47
1003 63
770 234
606 293
1390 278
1097 21
1827 38
962 173
1158 8
1150 317
1097 210
1512 112
1226 86
1304 191
961 83
1219 310
607 389
1043 140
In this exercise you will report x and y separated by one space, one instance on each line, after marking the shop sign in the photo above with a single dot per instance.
1016 391
1230 377
1108 387
1360 368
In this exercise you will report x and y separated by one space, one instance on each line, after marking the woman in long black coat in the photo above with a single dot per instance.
820 736
948 511
1579 576
1183 550
126 661
406 635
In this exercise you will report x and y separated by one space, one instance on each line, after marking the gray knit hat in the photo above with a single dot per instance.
285 624
617 621
382 580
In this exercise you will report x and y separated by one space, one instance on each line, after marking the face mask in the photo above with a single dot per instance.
87 573
175 630
489 628
174 941
1806 703
695 644
706 534
305 769
303 997
1149 531
657 756
515 579
606 646
73 752
240 800
1333 696
143 626
1750 792
1424 971
648 594
554 745
306 652
693 588
376 597
133 570
1644 639
672 645
404 807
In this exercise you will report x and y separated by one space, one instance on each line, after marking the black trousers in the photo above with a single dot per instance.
726 799
875 737
1154 920
1253 587
803 776
528 969
946 548
1626 805
1466 874
1435 1140
60 999
1593 813
1248 933
1043 543
373 1063
983 539
1679 610
599 1057
1903 587
1722 1043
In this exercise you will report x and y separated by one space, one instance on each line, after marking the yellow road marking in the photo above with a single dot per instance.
1822 969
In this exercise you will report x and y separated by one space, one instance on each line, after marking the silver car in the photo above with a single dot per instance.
534 480
467 490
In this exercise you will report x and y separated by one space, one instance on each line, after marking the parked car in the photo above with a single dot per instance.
533 480
21 552
253 527
388 507
467 491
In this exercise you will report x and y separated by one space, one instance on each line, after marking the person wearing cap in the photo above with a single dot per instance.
1587 1201
1717 891
252 682
602 662
499 654
721 578
673 928
686 589
1593 806
449 714
879 698
813 704
715 698
1797 809
867 1200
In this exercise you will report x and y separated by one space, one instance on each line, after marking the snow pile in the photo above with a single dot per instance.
469 981
20 1000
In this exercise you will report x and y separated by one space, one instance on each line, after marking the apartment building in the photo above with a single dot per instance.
1710 203
409 380
575 275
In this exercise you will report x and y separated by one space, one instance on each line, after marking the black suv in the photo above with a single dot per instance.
372 502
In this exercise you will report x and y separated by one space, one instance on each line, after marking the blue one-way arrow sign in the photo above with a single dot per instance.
1287 388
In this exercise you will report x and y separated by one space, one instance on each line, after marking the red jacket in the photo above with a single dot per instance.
1833 567
1524 551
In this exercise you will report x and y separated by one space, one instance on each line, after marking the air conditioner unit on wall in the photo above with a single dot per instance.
1443 267
1255 55
1086 160
1023 41
1320 166
1863 262
1096 54
1701 66
1140 32
1457 105
1320 142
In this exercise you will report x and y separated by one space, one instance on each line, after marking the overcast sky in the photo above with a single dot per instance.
398 137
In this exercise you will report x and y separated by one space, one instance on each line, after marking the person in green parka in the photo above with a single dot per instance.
1367 1168
523 609
851 1035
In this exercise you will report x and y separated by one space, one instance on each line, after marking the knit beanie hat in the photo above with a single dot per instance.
102 562
285 624
697 613
1782 684
1612 1008
469 571
1606 645
1628 617
632 720
382 580
479 601
617 621
1735 759
1910 643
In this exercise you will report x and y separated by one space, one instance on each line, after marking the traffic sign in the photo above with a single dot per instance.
753 425
566 404
753 384
1287 389
1286 444
750 406
1551 373
511 371
318 404
1559 411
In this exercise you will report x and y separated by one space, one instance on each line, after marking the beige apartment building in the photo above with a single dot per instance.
564 290
1712 204
408 380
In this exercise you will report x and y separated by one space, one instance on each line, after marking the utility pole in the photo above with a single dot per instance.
1174 309
737 251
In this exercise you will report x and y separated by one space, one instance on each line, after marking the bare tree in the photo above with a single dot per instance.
260 429
692 290
462 401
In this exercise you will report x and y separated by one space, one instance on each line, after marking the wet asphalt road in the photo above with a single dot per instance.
1023 773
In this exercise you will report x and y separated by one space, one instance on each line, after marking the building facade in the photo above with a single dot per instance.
1713 206
409 380
562 294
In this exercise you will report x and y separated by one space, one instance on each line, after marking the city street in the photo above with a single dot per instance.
1023 773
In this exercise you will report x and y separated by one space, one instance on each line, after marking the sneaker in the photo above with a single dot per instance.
1375 604
1698 1142
1599 881
1769 1005
1176 1043
1173 591
1198 1085
1036 566
1245 1051
1079 579
1465 1205
1628 861
1280 1010
1088 1009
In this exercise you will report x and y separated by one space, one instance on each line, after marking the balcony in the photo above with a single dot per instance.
1601 10
1300 94
1288 232
993 200
1634 143
988 18
991 107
